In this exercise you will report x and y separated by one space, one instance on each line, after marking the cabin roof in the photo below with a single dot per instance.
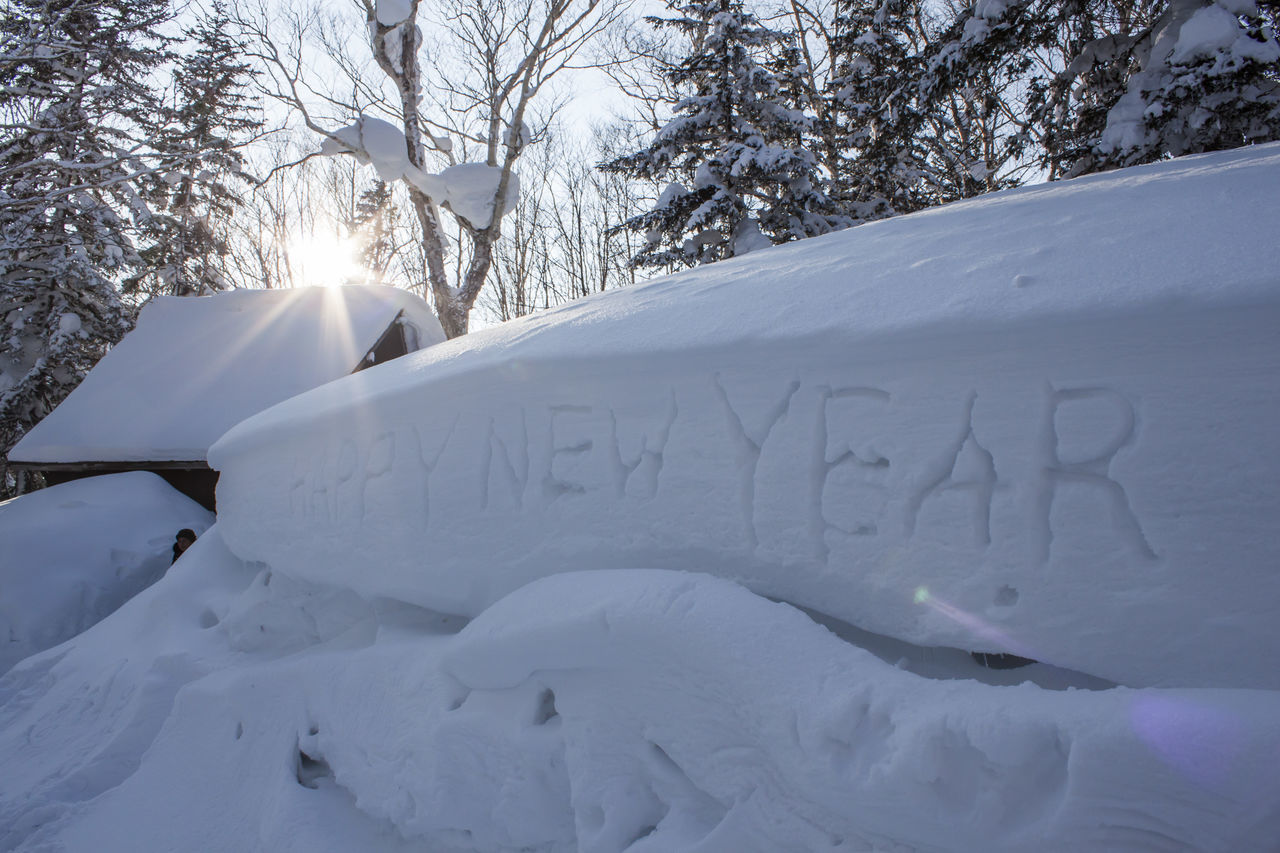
195 366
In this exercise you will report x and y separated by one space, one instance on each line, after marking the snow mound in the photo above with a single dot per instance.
73 553
1036 423
470 190
373 141
598 711
392 12
76 719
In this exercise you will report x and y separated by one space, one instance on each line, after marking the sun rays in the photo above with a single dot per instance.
324 259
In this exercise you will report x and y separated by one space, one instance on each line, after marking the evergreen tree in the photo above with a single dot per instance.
875 123
194 195
76 114
1142 79
738 175
373 226
1200 76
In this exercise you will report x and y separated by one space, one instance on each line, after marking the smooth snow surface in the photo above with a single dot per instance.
71 554
1042 423
194 366
968 428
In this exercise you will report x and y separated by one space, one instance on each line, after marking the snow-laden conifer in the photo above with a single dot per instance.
874 120
738 176
77 114
195 192
1134 82
373 226
1204 76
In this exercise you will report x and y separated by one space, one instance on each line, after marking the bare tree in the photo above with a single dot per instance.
470 110
566 239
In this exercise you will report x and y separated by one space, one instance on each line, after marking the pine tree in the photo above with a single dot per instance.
874 120
1203 76
1142 79
76 114
373 226
739 176
194 195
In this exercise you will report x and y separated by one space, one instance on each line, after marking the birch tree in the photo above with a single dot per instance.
463 92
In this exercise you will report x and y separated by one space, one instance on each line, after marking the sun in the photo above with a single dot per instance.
326 259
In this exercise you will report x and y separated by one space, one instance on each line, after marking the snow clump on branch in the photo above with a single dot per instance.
393 12
469 190
373 142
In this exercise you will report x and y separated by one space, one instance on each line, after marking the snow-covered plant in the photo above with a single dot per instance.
1119 82
195 193
738 175
373 225
1203 76
77 114
873 120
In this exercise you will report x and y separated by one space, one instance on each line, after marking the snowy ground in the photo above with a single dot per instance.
71 554
716 550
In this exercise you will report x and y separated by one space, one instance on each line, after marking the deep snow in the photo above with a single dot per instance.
231 708
73 553
1040 423
961 428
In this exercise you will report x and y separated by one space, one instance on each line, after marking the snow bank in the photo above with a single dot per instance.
600 712
195 366
1041 422
73 553
76 719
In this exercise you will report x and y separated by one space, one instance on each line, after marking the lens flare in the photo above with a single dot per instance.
1201 737
975 625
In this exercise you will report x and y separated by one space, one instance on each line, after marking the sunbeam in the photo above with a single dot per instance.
322 259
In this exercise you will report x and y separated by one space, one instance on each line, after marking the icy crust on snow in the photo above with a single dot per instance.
1039 423
71 554
598 712
195 366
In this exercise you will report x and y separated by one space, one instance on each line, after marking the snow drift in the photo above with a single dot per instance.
73 553
600 711
1040 422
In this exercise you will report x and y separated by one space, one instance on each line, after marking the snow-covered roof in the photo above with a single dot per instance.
194 367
